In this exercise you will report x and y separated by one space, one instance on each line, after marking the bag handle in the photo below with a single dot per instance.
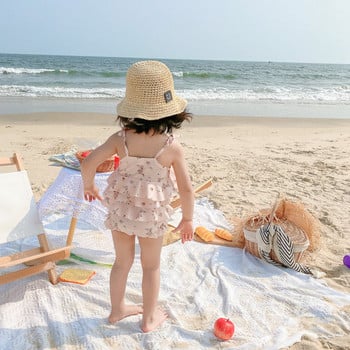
274 208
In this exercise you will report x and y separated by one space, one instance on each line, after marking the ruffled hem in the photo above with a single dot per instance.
138 188
121 200
161 213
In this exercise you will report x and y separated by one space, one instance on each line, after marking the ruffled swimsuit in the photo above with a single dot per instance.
138 195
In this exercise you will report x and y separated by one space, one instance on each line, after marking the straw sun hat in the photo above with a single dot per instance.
150 93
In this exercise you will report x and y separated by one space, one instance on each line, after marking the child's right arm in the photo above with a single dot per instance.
90 164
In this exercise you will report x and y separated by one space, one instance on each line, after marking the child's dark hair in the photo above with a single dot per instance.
159 126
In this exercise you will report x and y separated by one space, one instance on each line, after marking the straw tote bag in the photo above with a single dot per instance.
279 242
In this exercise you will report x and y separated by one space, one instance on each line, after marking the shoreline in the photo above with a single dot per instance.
222 108
96 118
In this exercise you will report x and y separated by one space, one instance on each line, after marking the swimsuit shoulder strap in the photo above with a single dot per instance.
123 135
168 142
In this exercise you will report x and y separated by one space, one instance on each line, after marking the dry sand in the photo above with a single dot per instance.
249 159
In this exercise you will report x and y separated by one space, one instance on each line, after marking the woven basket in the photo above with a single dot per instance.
107 166
296 234
297 213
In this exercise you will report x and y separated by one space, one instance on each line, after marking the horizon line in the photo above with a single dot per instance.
174 59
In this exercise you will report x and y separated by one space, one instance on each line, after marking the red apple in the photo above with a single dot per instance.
224 328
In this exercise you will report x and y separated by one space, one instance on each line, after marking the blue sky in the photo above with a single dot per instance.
248 30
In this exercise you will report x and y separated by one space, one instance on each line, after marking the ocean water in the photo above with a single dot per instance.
210 86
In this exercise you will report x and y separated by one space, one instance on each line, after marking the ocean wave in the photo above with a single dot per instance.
204 75
338 94
66 72
273 94
12 70
60 92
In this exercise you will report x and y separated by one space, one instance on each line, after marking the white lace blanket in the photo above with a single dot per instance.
270 306
65 198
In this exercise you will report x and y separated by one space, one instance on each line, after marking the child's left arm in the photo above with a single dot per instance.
185 228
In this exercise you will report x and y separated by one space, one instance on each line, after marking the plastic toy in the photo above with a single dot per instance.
346 261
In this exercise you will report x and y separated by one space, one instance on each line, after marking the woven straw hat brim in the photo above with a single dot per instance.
129 109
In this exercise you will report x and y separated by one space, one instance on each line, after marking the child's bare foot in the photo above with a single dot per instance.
156 320
128 310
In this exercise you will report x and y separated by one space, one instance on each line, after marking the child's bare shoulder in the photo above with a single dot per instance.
176 144
116 141
175 149
116 137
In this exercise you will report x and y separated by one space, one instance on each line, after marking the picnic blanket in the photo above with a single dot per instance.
270 306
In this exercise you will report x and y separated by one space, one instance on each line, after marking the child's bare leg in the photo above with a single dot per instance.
125 250
153 316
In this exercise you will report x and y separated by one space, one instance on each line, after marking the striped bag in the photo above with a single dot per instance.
272 238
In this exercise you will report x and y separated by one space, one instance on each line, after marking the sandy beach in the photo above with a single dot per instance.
249 159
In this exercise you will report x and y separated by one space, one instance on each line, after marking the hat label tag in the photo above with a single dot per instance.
168 96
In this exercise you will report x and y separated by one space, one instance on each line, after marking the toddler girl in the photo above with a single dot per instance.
139 192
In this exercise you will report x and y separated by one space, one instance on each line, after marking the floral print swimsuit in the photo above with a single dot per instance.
138 195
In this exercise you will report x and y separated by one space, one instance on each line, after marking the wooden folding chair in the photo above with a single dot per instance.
19 219
176 202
